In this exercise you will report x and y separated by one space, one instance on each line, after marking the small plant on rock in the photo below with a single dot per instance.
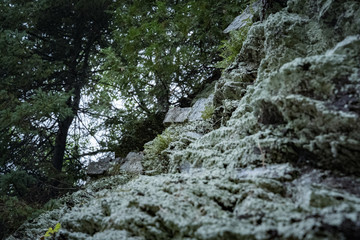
208 112
159 144
230 48
51 232
155 160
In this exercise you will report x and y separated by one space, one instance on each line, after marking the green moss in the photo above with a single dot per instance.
115 170
208 112
155 158
160 143
52 204
230 48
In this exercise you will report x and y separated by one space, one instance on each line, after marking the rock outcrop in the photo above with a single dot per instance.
109 166
241 20
188 114
132 163
99 168
284 164
294 89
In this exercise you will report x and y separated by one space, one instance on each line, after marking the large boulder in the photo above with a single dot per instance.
199 107
109 166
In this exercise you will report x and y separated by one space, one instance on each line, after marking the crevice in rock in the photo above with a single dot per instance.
269 114
227 207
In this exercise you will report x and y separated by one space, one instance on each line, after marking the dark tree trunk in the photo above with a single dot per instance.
64 125
163 104
60 143
162 96
78 64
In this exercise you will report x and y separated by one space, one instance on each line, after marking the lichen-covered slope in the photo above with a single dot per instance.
302 102
261 203
285 164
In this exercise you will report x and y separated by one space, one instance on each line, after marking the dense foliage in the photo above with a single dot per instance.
64 63
163 54
49 50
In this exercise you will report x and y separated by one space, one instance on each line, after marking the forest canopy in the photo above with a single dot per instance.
64 65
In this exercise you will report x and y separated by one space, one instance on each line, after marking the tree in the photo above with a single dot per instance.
70 33
49 57
53 50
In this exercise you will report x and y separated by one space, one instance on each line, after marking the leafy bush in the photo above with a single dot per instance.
24 196
15 187
160 143
16 183
129 132
13 212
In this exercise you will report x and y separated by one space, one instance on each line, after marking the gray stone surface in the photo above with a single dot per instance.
182 115
132 163
177 115
199 107
98 168
241 20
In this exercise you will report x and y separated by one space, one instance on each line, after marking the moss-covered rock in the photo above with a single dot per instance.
304 105
279 201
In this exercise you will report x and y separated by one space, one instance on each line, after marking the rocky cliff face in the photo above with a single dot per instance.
285 162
